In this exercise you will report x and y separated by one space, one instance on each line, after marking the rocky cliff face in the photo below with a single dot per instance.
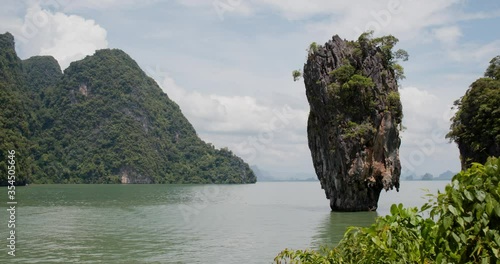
355 112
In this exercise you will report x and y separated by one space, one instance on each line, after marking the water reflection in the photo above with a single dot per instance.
333 226
180 223
94 195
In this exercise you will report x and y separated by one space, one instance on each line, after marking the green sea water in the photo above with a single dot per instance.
180 223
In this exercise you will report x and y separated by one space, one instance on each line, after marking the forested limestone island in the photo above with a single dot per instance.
355 117
102 121
476 125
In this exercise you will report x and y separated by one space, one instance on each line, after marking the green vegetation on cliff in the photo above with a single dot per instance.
14 113
102 121
463 227
351 89
476 125
354 76
355 117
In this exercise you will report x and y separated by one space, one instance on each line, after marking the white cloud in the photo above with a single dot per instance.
426 118
447 35
222 8
424 113
298 9
229 114
422 110
480 15
66 37
261 134
71 5
474 52
403 18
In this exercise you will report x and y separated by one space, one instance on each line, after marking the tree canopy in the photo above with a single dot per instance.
493 70
476 125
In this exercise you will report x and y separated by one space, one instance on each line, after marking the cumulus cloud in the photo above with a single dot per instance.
66 37
447 35
427 120
423 111
259 133
228 114
474 52
404 18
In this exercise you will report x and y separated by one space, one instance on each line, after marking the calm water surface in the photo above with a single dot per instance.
180 223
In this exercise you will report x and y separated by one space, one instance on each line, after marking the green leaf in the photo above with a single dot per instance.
394 209
460 221
453 210
496 238
480 195
495 252
489 205
447 221
376 240
468 195
468 219
439 258
425 207
463 238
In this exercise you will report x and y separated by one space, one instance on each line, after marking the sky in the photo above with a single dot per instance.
228 63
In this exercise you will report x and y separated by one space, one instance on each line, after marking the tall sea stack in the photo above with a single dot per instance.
354 120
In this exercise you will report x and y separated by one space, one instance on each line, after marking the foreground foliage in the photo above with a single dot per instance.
463 227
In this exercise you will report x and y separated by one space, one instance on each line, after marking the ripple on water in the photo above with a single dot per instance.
179 223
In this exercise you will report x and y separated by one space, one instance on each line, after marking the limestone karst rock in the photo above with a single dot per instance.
354 120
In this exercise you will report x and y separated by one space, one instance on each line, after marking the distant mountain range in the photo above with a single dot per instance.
447 175
266 176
